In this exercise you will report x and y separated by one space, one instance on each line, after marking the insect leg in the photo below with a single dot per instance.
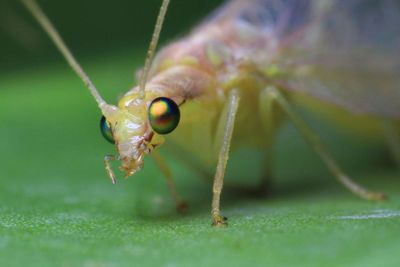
227 123
313 139
271 116
392 138
162 165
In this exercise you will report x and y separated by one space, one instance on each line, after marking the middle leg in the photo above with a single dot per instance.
181 206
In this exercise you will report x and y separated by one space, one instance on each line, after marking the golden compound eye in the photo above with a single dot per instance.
106 130
163 115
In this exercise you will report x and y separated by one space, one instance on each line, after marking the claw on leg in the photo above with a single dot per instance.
219 221
361 191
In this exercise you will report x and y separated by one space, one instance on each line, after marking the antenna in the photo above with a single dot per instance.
152 47
39 15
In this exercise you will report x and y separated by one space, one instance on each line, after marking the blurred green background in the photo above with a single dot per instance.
58 208
91 28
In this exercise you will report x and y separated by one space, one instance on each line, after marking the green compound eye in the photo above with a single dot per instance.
163 115
106 130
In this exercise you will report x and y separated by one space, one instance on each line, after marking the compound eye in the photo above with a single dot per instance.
163 115
106 131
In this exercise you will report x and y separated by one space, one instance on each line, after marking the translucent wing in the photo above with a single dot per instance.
346 52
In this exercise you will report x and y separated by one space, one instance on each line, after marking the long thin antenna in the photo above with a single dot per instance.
39 15
152 47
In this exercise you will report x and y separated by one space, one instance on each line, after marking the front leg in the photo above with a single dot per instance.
226 124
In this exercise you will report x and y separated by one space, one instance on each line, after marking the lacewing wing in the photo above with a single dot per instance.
343 52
